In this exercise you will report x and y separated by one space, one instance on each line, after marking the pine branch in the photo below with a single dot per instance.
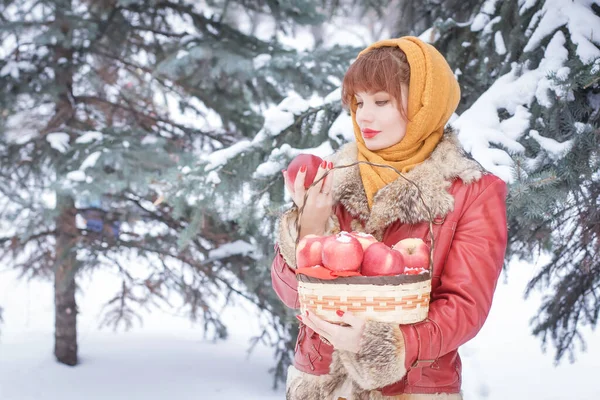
593 81
33 237
88 99
122 313
560 314
157 31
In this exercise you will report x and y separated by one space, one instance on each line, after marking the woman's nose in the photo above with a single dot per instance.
364 115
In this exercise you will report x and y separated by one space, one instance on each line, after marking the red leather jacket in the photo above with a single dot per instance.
470 244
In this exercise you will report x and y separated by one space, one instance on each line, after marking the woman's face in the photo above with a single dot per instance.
380 121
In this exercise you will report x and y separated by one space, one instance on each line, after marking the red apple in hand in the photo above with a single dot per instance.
309 251
342 252
365 239
414 251
379 260
312 164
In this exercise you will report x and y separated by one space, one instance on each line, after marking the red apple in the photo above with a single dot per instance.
342 252
414 251
415 271
365 239
309 251
379 260
312 164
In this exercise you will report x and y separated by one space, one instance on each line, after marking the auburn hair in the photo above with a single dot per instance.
380 69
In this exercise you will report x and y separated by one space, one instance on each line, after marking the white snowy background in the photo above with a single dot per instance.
167 357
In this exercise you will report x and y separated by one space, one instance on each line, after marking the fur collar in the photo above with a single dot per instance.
400 199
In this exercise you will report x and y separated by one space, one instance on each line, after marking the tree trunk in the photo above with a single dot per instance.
65 268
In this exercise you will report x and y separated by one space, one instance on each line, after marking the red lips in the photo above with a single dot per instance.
369 133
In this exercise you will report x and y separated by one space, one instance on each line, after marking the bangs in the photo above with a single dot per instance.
381 69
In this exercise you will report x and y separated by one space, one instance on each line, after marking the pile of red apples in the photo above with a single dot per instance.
355 252
362 253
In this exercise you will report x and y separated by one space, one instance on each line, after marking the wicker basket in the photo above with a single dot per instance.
402 299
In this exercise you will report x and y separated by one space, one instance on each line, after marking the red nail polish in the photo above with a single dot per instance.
324 164
299 318
340 313
330 165
307 313
303 168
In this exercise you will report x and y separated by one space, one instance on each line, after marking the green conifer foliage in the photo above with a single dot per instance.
106 107
546 57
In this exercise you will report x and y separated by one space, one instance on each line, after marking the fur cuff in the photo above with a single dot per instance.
380 360
287 234
335 385
417 396
302 386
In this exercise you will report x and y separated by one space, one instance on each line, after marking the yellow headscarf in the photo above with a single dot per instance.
433 96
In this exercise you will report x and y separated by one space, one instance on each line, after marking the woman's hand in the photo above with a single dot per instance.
341 337
319 202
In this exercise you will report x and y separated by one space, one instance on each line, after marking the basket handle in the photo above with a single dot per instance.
301 209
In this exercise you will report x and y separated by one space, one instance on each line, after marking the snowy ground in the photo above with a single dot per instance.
505 362
167 358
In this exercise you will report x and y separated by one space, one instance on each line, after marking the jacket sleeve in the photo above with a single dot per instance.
284 281
283 277
460 304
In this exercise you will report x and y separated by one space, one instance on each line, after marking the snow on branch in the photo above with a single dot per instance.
277 119
480 128
579 20
239 247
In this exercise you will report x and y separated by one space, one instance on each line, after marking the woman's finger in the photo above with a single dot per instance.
351 319
328 182
299 189
288 184
315 323
320 323
310 323
320 172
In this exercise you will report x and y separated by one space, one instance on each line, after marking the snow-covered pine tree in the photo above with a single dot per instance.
529 71
78 150
529 113
104 105
415 17
242 184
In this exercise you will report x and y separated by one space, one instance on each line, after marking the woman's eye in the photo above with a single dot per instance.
359 103
382 103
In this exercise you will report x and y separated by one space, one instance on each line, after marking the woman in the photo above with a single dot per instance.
401 93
